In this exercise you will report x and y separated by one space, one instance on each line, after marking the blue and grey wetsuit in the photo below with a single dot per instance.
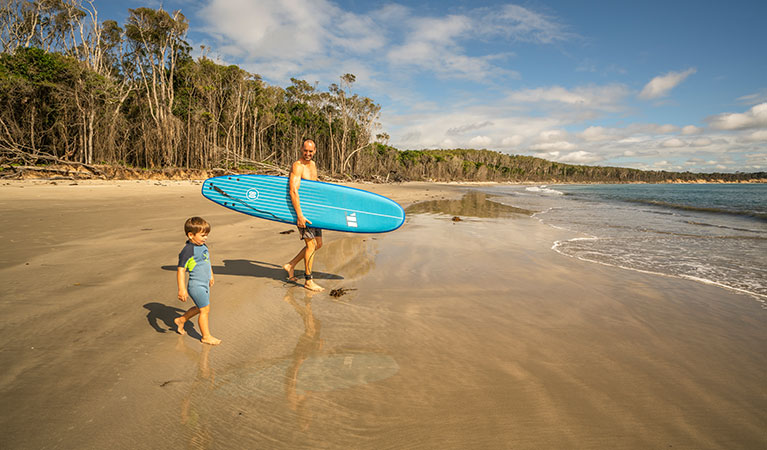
196 260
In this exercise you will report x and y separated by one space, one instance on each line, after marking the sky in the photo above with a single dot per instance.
655 85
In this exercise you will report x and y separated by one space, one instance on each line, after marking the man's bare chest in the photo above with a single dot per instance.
309 173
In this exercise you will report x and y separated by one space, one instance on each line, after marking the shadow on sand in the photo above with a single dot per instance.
165 314
259 269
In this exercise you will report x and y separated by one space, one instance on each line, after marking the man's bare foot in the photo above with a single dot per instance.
312 286
289 269
210 340
180 325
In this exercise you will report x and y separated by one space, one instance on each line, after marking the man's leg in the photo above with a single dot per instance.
290 267
312 245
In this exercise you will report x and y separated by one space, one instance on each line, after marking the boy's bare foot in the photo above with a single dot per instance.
289 269
210 340
179 325
312 286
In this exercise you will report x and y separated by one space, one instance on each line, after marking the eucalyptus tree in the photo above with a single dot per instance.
156 42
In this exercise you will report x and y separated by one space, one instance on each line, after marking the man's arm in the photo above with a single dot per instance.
295 183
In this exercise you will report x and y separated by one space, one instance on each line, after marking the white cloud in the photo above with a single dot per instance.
580 157
437 44
430 128
469 127
757 136
756 117
447 143
297 28
552 135
285 39
666 129
606 98
526 25
480 141
755 98
320 34
556 145
757 160
548 155
432 45
691 129
673 143
595 134
512 141
661 85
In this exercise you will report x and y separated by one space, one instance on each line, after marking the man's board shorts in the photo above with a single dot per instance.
310 232
200 295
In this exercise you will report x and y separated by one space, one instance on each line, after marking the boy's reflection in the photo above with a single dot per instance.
201 436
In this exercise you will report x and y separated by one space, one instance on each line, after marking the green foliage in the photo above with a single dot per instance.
38 66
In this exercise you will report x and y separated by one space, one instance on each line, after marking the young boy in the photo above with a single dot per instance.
195 259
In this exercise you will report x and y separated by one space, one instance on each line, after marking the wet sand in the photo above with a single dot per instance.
469 334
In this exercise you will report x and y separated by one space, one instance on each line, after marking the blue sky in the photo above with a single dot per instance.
674 85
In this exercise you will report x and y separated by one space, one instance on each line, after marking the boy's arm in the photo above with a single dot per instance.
211 278
181 281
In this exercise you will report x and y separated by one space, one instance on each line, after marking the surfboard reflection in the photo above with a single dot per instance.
472 204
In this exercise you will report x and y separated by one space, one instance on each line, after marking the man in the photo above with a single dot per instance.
306 169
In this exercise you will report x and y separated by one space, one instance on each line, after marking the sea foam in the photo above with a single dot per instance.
543 190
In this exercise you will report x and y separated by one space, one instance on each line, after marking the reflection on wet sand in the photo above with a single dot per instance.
473 204
352 256
200 435
308 344
286 393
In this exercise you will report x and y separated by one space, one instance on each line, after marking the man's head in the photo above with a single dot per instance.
308 150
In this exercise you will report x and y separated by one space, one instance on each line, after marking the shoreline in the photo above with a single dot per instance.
756 296
482 336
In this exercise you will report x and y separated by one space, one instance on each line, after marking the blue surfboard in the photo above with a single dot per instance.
328 206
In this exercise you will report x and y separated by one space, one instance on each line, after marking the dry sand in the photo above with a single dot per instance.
471 334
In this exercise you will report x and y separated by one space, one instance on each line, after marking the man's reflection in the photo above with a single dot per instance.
308 345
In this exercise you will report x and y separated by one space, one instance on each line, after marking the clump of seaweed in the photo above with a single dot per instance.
339 292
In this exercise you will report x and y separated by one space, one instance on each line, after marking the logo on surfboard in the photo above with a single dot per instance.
252 194
351 220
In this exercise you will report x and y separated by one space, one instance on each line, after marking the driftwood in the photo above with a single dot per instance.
18 172
19 155
263 165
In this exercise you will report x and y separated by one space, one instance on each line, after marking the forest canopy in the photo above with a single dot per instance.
77 90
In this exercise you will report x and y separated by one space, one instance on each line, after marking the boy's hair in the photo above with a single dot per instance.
195 225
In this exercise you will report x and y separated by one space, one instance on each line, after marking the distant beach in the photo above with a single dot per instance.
463 329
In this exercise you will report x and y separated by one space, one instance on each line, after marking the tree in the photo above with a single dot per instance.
156 42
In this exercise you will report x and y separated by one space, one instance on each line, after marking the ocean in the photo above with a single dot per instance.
710 233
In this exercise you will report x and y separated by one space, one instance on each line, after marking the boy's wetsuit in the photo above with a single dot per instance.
196 260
